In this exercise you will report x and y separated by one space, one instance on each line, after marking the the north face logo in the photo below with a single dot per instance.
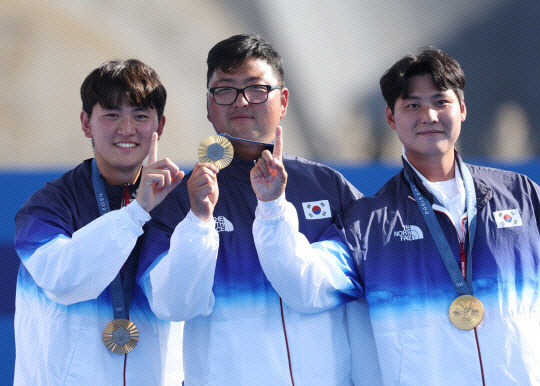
223 225
410 232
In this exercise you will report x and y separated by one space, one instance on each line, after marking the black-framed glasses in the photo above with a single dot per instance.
257 93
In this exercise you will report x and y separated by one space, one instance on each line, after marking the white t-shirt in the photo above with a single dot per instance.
451 194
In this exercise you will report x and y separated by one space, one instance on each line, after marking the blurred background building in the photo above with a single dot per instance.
334 53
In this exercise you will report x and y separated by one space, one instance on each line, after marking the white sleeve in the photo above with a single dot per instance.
308 277
72 270
179 282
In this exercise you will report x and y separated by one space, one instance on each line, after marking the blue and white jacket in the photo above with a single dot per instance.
69 256
399 271
237 330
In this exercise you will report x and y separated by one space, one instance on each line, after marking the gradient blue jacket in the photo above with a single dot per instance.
69 256
397 268
237 331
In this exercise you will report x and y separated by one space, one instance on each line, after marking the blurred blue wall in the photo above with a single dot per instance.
17 187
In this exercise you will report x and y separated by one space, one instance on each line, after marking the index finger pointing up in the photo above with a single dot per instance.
278 143
152 154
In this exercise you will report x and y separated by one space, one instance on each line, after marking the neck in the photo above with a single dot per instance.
119 177
247 151
435 168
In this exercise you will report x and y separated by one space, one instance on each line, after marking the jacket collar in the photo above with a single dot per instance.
483 192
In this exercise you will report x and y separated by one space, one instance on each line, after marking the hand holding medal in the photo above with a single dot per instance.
215 153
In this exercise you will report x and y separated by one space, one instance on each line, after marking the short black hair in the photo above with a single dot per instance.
229 54
446 72
115 79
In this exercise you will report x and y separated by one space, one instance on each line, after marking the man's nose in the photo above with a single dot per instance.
126 126
429 115
240 100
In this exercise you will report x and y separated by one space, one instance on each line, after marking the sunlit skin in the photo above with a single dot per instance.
256 122
122 136
428 123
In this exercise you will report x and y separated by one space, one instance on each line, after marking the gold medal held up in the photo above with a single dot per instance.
216 149
466 312
121 336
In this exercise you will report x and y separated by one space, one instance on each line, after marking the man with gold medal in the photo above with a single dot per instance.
446 253
80 318
237 330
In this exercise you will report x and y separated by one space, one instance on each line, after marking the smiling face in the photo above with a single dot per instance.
121 136
256 122
427 122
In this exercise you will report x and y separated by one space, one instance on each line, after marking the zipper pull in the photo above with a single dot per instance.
127 197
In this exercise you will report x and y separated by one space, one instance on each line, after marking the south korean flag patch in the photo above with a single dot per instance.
315 210
507 218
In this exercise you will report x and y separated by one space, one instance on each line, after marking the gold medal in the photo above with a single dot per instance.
121 336
466 312
216 149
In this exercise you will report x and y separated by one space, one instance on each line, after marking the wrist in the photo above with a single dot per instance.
137 213
268 210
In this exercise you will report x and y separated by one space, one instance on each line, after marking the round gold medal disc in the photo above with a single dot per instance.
121 336
466 312
216 149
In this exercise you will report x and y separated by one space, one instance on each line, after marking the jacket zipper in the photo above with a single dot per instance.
286 340
463 256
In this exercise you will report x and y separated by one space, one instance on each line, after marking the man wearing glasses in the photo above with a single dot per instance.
237 329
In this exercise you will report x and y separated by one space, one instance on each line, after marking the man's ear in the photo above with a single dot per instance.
85 124
390 118
208 109
159 130
284 102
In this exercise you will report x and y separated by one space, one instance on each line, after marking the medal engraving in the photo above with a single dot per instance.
466 312
121 336
217 150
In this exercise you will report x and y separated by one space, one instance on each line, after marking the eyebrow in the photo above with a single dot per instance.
235 80
135 108
414 97
141 108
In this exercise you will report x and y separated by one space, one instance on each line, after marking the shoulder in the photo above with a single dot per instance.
391 196
500 179
301 169
394 185
295 162
74 183
66 203
298 165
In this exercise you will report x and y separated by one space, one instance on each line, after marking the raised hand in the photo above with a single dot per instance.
268 176
158 178
203 190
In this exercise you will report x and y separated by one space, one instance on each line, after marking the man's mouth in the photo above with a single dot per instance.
241 116
125 145
430 132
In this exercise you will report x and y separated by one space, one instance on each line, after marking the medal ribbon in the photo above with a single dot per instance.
120 289
245 140
462 285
